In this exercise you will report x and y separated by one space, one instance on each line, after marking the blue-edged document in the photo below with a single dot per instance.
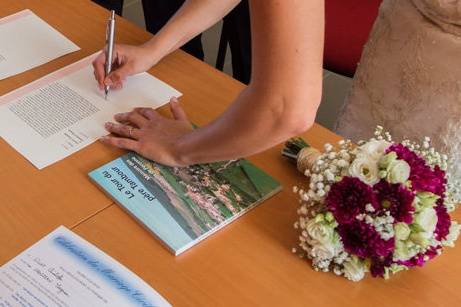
63 270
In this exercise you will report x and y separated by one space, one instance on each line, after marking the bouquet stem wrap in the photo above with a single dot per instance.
306 158
302 153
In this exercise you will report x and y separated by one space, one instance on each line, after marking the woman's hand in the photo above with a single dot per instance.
150 134
127 60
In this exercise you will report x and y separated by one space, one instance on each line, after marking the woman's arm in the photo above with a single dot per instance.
194 17
281 100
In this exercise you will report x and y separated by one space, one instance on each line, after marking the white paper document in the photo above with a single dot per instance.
55 116
64 270
26 41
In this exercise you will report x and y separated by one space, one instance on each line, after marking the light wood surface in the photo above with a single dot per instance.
33 202
249 263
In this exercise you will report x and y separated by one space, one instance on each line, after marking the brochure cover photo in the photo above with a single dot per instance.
182 206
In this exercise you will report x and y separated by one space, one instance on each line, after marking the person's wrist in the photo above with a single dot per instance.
179 154
150 55
154 49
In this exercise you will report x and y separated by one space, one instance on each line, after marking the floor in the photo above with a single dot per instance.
335 87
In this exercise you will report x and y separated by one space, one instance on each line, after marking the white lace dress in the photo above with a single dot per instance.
409 77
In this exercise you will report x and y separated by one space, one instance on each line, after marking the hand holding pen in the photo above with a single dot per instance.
117 62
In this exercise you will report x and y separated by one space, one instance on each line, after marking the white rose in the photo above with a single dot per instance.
402 231
425 199
404 250
374 149
427 220
387 159
421 239
319 231
323 251
398 172
365 169
452 235
354 269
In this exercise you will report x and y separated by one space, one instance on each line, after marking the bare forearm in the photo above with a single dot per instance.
255 122
194 17
285 90
281 100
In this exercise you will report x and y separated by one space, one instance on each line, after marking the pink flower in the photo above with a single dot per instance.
348 198
378 265
362 240
425 179
422 177
396 199
419 260
443 221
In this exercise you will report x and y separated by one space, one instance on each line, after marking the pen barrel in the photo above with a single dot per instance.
110 45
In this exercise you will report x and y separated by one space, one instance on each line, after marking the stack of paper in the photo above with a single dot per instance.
63 112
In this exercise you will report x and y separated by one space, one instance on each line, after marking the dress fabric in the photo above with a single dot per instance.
409 77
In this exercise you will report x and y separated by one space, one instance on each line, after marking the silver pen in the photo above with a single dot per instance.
110 38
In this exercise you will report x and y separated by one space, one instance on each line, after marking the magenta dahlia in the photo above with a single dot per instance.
378 265
348 198
396 199
362 240
443 221
419 260
422 177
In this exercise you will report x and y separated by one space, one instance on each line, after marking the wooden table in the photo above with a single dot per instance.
249 263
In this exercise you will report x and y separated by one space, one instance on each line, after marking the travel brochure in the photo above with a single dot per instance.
182 206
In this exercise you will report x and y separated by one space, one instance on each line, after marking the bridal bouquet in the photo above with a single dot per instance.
379 207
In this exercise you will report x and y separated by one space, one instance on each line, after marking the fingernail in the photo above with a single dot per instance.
108 125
